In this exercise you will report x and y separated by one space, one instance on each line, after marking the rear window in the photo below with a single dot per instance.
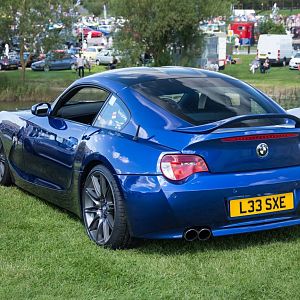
205 100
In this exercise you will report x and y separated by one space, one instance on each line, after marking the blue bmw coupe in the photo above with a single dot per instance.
158 153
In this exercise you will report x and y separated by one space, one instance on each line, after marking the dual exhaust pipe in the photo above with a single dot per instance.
192 234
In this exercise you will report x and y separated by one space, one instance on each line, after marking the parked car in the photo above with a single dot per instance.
28 57
158 153
295 62
88 31
105 56
55 61
92 52
8 63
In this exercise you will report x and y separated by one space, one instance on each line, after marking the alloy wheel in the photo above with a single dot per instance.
2 162
98 207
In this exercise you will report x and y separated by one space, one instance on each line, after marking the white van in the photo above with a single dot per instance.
275 47
213 52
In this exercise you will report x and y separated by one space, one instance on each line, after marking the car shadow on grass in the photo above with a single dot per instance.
180 246
226 243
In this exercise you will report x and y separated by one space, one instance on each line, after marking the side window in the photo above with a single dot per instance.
114 115
87 94
81 105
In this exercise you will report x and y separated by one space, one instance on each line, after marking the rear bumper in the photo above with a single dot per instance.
157 208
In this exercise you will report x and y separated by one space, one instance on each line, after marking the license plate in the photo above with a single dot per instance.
261 205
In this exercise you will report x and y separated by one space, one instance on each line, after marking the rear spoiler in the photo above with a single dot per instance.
210 127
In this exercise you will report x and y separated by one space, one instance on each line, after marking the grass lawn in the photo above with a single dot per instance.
278 77
38 86
283 12
45 254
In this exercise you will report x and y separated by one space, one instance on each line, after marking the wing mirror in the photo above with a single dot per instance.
41 109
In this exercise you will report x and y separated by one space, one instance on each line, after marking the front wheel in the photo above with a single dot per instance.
97 62
73 67
103 210
5 178
46 68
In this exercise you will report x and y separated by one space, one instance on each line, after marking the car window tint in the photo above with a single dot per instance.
114 115
88 94
205 100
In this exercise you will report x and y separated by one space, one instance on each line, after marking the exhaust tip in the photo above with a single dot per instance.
204 234
190 235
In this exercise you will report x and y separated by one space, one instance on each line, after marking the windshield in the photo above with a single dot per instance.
205 100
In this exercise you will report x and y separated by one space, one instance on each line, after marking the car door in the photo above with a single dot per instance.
105 58
52 142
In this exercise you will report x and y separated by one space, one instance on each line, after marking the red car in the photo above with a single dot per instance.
87 30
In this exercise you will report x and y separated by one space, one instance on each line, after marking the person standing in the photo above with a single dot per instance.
6 49
80 66
237 44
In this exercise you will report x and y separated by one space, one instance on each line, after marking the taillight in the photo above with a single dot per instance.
180 166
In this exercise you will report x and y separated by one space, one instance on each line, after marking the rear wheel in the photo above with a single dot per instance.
46 68
103 210
97 62
5 178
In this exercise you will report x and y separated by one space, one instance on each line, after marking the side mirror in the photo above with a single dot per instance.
41 109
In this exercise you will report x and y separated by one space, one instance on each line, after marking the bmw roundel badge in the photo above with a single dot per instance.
262 150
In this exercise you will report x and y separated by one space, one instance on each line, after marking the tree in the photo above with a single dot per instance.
160 26
269 27
31 22
95 6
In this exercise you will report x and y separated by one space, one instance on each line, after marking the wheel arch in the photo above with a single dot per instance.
93 161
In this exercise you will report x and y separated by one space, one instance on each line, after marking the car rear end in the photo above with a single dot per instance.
238 169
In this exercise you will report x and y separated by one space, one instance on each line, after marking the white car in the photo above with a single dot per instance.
295 62
105 57
91 52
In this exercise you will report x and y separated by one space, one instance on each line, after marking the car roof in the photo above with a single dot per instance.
136 75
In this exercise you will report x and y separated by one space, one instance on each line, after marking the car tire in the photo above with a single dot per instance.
5 177
73 67
0 67
103 210
97 62
46 68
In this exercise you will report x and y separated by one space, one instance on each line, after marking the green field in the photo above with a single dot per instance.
279 77
38 86
45 253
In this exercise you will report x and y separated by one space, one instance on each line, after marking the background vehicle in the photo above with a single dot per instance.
88 32
295 62
91 52
214 51
29 57
55 61
275 47
245 32
105 56
8 63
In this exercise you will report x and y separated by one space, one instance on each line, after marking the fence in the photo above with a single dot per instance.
286 97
